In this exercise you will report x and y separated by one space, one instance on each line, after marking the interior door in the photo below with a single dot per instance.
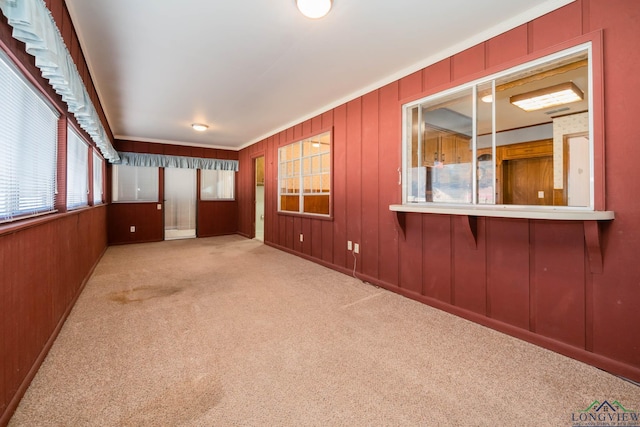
577 171
179 203
259 200
528 181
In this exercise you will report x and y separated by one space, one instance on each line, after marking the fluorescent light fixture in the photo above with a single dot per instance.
561 94
199 127
314 9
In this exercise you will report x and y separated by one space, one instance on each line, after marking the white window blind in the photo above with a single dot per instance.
77 171
217 184
97 178
28 145
135 184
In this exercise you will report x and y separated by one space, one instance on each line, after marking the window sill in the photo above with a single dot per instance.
23 223
557 214
322 217
468 219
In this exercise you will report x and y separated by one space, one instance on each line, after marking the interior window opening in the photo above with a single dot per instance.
521 138
304 174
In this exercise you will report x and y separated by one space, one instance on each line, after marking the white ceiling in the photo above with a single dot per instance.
250 68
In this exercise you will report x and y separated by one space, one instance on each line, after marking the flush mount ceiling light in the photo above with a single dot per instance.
314 9
199 127
561 94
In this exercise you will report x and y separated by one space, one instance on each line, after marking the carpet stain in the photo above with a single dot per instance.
143 293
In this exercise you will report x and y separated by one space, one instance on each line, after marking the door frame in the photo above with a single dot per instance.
254 179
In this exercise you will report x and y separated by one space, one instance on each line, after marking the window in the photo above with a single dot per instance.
98 164
304 174
135 184
28 145
217 184
77 171
481 144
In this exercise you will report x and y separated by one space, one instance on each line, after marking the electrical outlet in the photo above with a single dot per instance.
349 245
356 248
301 237
159 206
132 229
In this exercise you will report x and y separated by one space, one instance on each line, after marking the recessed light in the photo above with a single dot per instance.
199 127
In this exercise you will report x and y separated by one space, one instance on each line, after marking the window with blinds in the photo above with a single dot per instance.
98 164
217 184
28 145
77 171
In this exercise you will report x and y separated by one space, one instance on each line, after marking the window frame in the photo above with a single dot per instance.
301 194
114 178
592 43
101 163
33 86
71 131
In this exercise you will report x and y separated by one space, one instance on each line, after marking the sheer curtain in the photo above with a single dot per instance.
180 203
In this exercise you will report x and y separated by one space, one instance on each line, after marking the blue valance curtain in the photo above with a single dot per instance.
33 24
163 161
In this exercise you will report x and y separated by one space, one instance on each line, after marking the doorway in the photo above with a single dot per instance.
179 203
259 198
528 181
577 170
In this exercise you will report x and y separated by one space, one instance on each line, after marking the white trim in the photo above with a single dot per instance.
502 211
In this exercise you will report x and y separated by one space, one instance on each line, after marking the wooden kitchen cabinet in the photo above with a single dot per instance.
445 147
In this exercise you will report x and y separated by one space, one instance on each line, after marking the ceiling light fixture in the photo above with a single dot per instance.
314 9
487 98
199 127
561 94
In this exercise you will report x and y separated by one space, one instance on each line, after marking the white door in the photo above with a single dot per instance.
579 173
179 203
259 201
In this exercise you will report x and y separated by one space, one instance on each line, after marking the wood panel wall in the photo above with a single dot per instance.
44 264
214 218
45 261
529 278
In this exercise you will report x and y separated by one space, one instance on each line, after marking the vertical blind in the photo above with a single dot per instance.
77 171
28 145
97 178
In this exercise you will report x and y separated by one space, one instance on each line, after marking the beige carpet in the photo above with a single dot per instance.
226 331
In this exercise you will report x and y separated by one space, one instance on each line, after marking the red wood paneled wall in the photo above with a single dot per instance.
44 267
528 278
44 262
214 218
